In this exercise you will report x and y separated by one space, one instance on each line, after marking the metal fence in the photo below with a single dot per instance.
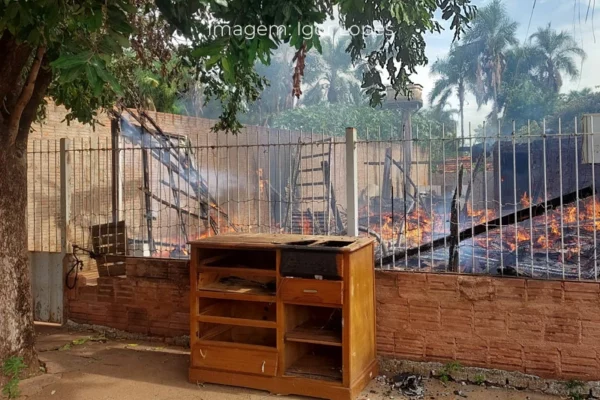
521 204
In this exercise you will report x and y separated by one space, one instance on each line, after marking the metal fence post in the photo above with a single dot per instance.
351 182
65 193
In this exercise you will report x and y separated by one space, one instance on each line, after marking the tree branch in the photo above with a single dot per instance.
25 96
39 91
16 56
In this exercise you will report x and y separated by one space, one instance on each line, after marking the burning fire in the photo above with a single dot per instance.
525 200
554 232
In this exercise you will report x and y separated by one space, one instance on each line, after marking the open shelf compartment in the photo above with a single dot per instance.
239 335
316 325
311 361
262 261
220 284
239 313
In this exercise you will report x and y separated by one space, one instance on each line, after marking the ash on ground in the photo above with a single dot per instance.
409 385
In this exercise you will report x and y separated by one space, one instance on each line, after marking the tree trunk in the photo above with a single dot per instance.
16 318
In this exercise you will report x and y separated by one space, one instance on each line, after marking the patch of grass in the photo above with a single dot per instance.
574 388
448 369
453 366
81 341
479 379
65 347
573 384
12 368
11 388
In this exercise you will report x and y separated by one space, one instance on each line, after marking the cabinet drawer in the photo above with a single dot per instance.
307 264
311 291
226 358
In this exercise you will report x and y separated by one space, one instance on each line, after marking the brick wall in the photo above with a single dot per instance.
153 299
545 328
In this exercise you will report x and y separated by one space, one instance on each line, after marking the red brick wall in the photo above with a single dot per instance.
545 328
153 299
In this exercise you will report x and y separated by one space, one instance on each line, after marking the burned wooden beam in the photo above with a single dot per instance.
377 236
332 199
453 259
474 178
170 205
416 197
177 163
519 216
387 175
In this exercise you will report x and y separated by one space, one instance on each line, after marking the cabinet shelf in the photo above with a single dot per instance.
310 333
238 335
316 325
323 366
237 270
207 294
236 291
256 323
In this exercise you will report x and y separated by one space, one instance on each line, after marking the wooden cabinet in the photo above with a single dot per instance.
284 313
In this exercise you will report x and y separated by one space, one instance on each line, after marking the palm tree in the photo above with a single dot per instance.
454 72
331 76
489 38
556 51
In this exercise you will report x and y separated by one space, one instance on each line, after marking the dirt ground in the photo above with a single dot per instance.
80 368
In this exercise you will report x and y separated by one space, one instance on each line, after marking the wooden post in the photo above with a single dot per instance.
351 182
65 193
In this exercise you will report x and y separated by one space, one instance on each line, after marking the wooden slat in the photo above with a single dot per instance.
235 296
108 239
316 155
312 183
110 228
256 323
315 336
313 198
234 345
312 169
110 249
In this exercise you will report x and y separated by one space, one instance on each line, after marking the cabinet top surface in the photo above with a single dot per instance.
338 244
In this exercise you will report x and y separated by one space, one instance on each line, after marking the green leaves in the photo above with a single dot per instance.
68 61
74 66
211 49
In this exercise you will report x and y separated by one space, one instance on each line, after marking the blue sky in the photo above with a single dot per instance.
569 15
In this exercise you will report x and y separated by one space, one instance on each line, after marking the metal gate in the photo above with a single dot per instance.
47 280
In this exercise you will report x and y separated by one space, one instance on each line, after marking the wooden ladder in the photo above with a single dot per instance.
313 194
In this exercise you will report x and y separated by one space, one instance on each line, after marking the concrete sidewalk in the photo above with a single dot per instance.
84 366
